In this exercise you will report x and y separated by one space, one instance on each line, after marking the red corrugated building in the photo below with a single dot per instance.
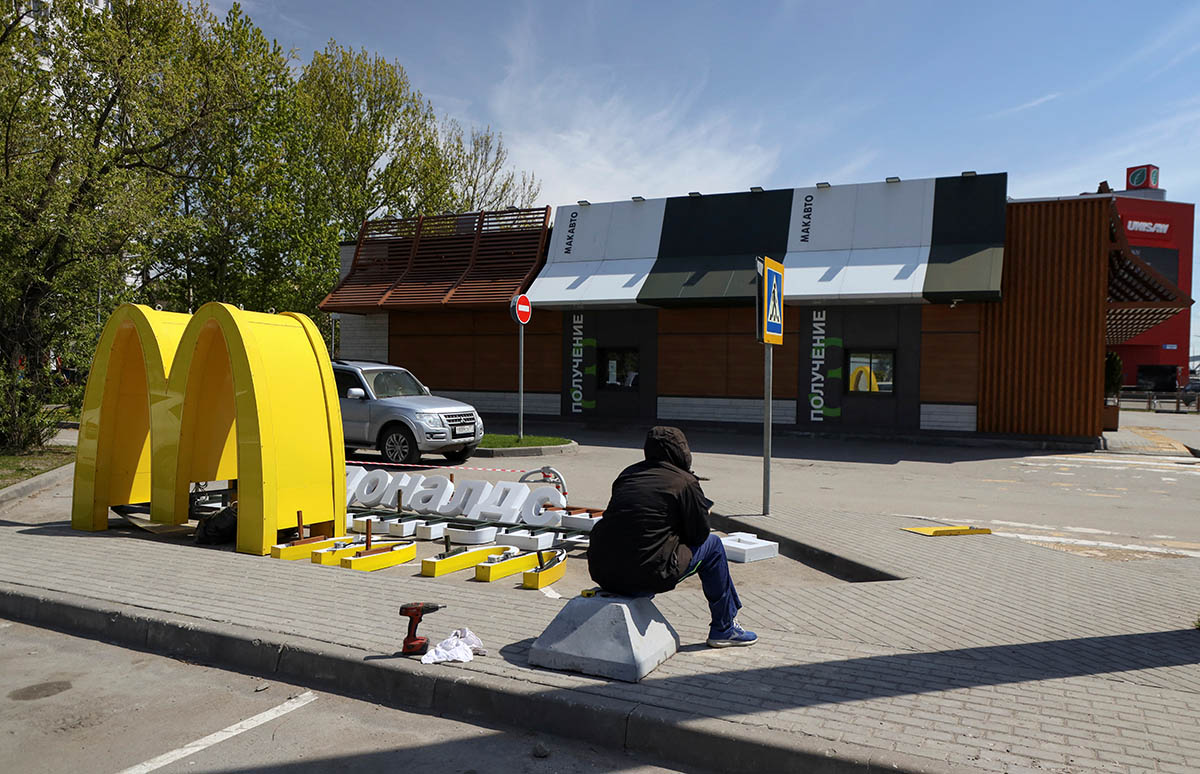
1160 233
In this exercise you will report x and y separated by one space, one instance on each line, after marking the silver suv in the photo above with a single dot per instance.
388 408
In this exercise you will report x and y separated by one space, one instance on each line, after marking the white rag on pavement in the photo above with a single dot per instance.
461 645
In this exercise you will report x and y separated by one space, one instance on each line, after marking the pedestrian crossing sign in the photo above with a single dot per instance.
770 301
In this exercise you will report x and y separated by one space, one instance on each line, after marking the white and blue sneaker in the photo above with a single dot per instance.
733 637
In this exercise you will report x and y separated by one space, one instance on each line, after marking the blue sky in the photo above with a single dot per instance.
604 100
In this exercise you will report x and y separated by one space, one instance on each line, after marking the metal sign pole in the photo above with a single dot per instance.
521 383
767 400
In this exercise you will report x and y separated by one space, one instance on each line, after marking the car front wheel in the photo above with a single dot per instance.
398 446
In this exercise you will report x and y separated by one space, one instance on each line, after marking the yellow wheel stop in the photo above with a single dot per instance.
943 531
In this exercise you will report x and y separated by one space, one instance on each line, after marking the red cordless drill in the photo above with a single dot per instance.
415 611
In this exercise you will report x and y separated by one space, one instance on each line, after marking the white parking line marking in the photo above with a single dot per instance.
1126 461
1099 544
220 736
1089 531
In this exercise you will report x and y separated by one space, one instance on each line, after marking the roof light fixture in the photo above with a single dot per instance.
583 202
694 194
639 198
756 189
892 179
969 173
822 185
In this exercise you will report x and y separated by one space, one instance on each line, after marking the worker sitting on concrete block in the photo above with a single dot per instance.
655 533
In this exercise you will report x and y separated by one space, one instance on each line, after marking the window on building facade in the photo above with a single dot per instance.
617 368
870 371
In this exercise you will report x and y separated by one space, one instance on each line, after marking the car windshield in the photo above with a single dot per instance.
392 383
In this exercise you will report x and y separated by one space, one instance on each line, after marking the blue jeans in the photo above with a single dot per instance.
709 562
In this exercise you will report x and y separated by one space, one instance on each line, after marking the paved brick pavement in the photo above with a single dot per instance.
1135 439
989 654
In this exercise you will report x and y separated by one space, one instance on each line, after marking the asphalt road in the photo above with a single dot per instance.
74 705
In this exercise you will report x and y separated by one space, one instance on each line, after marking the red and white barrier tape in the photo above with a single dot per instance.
436 466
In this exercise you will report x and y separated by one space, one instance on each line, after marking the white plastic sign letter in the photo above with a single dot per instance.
503 504
534 510
434 494
354 474
371 487
391 493
467 495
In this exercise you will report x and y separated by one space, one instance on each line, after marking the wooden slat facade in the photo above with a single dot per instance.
507 256
712 352
950 354
1042 346
442 257
381 257
466 349
477 260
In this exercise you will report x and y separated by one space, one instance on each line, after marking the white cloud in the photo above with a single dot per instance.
588 136
1173 34
1173 143
852 170
1026 106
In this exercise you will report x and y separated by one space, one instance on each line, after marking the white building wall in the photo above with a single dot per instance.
363 337
945 416
346 253
545 403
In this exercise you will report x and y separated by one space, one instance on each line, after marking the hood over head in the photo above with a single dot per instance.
668 444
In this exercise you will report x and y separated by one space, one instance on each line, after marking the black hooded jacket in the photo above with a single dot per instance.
657 510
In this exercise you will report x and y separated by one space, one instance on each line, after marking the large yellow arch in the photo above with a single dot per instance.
123 417
251 397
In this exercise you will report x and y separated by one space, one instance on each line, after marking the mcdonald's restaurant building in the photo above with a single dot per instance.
917 307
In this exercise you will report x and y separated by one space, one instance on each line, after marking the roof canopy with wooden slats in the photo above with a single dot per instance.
475 259
1138 296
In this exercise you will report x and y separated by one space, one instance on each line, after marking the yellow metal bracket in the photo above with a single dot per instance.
458 560
489 571
332 557
292 552
399 554
551 572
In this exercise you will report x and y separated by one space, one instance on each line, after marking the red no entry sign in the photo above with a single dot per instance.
521 308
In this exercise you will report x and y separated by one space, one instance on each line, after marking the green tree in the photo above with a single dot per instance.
152 152
482 178
245 227
100 111
375 140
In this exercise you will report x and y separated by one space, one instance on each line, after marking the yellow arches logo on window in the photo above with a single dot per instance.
862 379
222 394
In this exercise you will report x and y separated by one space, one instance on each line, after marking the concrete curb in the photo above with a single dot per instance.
30 486
670 735
530 451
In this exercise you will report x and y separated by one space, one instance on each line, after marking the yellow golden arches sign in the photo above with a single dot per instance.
862 379
222 394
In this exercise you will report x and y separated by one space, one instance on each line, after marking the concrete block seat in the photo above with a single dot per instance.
606 635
